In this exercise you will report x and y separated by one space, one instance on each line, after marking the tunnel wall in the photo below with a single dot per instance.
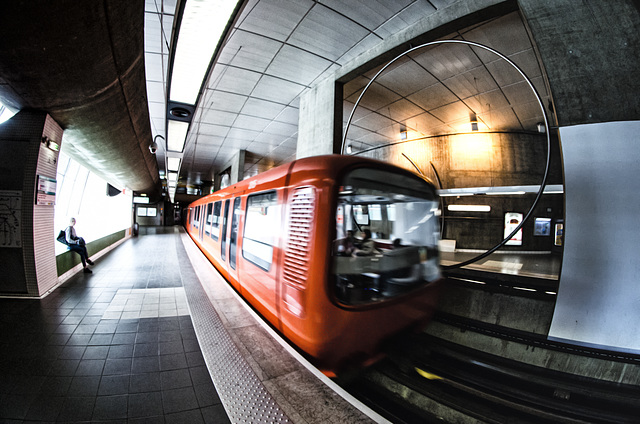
485 160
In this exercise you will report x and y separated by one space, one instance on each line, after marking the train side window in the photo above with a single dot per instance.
196 217
207 227
260 229
233 237
387 233
215 222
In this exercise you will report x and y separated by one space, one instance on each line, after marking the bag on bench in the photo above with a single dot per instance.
62 238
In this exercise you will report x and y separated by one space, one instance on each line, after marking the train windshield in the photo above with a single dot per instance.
387 235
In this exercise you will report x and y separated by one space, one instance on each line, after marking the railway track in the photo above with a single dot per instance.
426 379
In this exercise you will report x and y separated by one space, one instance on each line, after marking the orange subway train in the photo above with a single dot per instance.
338 253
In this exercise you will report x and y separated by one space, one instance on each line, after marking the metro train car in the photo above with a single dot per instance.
287 241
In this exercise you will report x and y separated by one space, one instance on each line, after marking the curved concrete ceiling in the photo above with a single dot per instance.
83 63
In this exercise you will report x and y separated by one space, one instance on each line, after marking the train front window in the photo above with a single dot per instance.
387 235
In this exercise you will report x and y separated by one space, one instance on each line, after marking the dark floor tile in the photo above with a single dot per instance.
28 384
117 366
44 408
206 395
72 320
96 352
65 329
169 336
107 327
123 338
84 386
15 406
147 337
148 382
172 362
215 415
169 324
85 329
91 367
145 364
158 419
77 409
131 327
110 407
200 375
114 385
192 417
90 320
72 352
175 379
168 348
177 400
100 339
79 340
56 386
120 351
145 349
59 339
145 404
195 359
191 345
64 367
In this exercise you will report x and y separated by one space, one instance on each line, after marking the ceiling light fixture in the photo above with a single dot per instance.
176 135
173 164
403 133
202 25
469 208
473 118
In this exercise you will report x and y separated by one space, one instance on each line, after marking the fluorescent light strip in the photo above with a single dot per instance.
469 208
173 164
177 135
202 25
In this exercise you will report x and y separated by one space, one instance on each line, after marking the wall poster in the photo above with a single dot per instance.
511 221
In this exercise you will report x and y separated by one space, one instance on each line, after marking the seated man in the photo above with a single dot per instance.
77 244
367 246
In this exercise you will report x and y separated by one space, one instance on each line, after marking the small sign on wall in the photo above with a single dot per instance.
46 191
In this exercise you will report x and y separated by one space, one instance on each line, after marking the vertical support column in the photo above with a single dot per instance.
27 174
320 122
234 168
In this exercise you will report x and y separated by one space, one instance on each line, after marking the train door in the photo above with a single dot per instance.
233 237
223 242
202 222
260 238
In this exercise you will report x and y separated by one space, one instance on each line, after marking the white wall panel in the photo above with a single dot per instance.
599 296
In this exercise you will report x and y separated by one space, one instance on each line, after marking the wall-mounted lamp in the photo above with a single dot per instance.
153 147
473 118
349 149
541 128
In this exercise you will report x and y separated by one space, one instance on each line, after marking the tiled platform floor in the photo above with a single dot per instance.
117 345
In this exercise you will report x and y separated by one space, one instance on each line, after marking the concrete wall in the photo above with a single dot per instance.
27 259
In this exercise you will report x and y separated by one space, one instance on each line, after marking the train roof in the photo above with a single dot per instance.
332 165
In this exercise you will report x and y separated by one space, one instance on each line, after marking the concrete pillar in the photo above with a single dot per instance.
27 179
234 168
320 123
590 53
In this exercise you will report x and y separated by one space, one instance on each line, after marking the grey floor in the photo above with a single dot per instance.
117 345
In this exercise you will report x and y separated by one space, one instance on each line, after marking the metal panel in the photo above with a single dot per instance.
598 295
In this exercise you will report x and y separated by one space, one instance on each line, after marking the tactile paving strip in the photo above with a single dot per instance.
243 395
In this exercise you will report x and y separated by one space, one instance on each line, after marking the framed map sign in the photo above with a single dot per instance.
46 191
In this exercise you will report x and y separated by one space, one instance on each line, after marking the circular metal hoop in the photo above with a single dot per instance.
544 115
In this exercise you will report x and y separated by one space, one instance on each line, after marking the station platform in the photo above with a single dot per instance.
541 265
155 335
